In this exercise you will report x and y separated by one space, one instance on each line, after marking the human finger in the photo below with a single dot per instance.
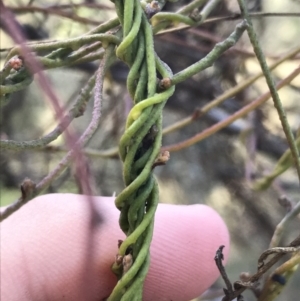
61 246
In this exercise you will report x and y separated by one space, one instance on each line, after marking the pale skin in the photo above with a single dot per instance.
61 247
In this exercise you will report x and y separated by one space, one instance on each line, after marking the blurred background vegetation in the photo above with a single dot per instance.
218 171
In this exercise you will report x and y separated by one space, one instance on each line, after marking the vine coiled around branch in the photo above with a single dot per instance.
139 148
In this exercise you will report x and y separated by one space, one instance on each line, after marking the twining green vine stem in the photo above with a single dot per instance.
139 147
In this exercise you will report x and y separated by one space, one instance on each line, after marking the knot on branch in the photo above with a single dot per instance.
27 188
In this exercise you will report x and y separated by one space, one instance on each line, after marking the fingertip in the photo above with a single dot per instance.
184 244
65 243
185 241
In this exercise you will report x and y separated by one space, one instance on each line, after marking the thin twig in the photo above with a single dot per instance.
227 94
207 9
240 286
191 6
277 102
283 225
279 278
9 21
85 137
8 89
218 260
74 42
84 4
283 164
109 153
222 124
204 34
77 110
187 9
211 57
233 17
52 11
276 250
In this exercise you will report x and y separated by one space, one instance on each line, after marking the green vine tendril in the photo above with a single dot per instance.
139 148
